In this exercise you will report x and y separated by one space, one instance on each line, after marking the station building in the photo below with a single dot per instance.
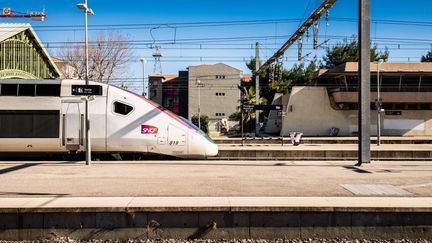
22 54
329 106
212 88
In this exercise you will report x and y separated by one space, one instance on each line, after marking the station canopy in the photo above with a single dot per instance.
22 54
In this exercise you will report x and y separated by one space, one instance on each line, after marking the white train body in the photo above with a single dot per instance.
44 116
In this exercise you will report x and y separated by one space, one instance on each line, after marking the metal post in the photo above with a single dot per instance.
379 104
87 118
257 89
242 125
364 83
199 103
145 91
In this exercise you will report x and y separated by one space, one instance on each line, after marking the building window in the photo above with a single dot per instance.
220 76
122 109
220 94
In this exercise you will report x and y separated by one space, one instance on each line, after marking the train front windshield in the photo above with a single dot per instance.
196 129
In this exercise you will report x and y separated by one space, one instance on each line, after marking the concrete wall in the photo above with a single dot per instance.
309 111
222 224
274 122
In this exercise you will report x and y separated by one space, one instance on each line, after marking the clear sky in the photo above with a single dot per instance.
191 44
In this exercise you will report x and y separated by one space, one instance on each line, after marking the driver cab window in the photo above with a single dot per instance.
121 108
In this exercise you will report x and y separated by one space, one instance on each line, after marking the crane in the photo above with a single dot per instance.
9 13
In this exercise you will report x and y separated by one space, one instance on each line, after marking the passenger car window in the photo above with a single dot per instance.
121 108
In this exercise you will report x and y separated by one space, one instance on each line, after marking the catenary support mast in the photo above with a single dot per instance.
364 83
326 5
257 89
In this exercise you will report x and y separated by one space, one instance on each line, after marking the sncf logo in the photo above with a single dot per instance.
147 129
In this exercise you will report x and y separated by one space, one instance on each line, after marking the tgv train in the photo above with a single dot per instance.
44 116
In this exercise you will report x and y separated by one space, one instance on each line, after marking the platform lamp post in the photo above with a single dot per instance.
87 11
199 103
145 90
378 103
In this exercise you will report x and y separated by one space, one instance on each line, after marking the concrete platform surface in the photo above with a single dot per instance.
215 204
184 178
327 147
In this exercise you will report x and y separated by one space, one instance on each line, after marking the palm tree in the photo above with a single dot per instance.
249 97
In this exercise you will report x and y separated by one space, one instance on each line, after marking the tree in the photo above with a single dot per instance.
248 96
109 55
427 57
204 120
344 52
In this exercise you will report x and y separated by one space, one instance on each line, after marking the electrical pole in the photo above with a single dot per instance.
87 109
364 83
257 89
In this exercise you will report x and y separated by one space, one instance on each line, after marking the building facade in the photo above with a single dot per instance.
212 88
22 54
331 104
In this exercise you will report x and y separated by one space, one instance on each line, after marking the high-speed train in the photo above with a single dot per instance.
44 116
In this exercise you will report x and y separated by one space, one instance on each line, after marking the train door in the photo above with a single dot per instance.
72 125
177 140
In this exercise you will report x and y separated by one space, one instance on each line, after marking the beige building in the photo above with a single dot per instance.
213 89
406 94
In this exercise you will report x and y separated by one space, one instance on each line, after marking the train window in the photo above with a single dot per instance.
26 90
29 123
9 89
121 108
48 90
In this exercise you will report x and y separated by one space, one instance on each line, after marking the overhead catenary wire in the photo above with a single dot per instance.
180 25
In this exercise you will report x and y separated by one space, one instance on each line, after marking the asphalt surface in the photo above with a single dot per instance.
210 178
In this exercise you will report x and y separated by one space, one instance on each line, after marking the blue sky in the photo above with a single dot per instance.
178 56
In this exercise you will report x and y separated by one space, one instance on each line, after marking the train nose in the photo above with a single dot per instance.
212 149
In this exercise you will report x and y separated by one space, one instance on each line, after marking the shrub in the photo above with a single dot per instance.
204 122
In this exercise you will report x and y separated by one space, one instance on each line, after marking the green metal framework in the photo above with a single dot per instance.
22 57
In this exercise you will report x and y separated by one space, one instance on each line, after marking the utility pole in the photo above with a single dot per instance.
378 103
257 89
364 83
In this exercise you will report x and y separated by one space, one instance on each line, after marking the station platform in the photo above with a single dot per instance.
184 199
323 140
327 151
